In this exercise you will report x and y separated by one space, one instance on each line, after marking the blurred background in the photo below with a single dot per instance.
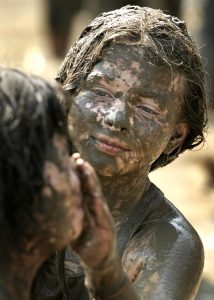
36 34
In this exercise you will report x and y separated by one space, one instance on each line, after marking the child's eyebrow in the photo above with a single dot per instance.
96 76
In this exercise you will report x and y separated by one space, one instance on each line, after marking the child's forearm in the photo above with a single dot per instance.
110 283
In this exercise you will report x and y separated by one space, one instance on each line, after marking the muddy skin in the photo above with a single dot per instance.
120 122
138 116
56 219
123 117
61 179
159 269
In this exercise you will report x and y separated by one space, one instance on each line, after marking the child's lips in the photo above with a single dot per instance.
110 145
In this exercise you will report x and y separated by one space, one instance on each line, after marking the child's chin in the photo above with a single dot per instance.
110 171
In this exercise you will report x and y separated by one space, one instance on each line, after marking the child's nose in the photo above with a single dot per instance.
117 117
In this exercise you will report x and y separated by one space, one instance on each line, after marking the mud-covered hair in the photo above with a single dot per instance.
30 113
165 41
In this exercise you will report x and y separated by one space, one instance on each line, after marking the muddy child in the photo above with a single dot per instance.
137 101
40 198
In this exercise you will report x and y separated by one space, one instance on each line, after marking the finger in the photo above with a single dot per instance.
75 162
76 155
89 179
91 189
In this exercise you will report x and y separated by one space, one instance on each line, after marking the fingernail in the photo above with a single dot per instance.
79 161
76 155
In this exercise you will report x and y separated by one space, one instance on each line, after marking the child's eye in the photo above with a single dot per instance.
101 93
148 110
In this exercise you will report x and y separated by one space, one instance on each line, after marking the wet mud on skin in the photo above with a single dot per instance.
184 182
125 126
121 107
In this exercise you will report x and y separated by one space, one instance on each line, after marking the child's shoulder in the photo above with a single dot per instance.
174 219
166 217
168 248
166 229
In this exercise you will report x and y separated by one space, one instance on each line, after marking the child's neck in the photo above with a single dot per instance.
123 192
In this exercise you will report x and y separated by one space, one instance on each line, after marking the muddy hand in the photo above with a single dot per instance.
96 244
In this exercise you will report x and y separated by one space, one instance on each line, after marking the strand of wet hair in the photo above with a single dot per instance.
60 267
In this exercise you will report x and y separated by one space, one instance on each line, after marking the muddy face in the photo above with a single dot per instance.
125 113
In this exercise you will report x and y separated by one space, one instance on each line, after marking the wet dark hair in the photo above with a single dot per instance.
165 41
30 113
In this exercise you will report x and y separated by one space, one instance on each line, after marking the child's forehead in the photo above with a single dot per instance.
125 51
131 57
141 74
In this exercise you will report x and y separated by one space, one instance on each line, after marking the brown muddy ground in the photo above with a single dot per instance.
24 44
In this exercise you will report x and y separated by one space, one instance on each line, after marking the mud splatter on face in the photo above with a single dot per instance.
126 111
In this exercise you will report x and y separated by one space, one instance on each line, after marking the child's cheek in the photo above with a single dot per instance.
152 138
84 114
90 109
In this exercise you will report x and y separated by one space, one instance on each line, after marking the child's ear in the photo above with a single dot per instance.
177 138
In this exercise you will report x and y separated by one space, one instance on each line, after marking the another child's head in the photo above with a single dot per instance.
35 204
165 43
